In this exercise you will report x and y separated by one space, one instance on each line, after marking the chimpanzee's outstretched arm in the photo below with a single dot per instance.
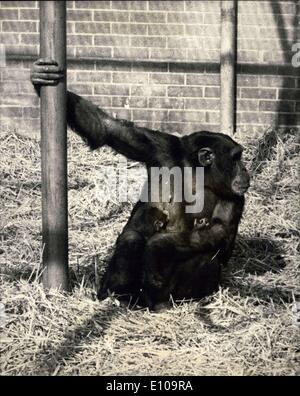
98 128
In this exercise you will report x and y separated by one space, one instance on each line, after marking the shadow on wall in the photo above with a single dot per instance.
285 114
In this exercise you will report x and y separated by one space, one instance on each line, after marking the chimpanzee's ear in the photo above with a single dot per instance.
206 156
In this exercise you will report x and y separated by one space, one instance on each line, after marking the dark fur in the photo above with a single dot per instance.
180 261
159 254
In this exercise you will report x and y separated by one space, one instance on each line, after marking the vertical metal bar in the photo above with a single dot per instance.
54 150
228 63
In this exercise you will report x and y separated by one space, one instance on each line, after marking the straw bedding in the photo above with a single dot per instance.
248 327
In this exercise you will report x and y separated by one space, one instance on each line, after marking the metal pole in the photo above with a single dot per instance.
228 62
54 150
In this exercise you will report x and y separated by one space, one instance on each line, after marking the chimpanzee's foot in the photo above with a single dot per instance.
158 225
162 221
200 224
120 300
161 307
124 295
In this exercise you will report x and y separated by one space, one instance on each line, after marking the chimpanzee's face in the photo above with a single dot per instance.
222 159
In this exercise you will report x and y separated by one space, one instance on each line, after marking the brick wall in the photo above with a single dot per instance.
157 62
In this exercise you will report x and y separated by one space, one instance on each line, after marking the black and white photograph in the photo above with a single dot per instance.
149 186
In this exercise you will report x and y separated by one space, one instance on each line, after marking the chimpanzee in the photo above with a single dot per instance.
164 251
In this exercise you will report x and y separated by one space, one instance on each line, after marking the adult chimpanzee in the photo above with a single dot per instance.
164 251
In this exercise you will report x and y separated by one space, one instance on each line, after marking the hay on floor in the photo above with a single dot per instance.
248 327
